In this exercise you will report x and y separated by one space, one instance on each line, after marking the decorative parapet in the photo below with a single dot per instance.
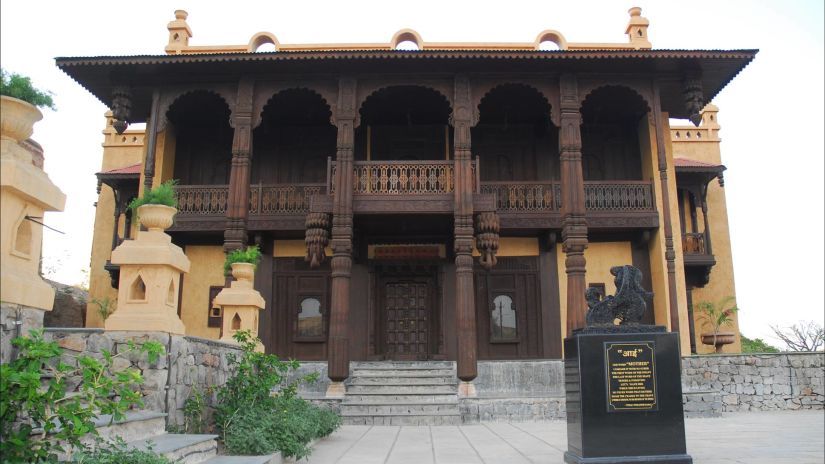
405 39
708 130
129 138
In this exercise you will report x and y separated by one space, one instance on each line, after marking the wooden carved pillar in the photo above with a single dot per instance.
237 209
670 253
706 232
151 141
574 223
341 264
463 229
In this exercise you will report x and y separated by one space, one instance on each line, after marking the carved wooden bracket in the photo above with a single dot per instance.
121 108
487 230
317 238
694 97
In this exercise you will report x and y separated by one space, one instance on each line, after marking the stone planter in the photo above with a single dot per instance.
244 272
719 339
156 217
17 118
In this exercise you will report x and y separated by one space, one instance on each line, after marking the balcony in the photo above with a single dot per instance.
404 187
698 259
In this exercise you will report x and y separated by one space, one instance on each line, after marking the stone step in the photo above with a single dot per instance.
402 365
383 409
403 420
379 389
179 447
137 425
400 372
400 398
404 380
271 459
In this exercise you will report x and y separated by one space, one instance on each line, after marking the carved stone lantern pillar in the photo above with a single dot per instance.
150 275
240 304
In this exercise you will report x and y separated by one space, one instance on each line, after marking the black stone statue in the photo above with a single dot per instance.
626 307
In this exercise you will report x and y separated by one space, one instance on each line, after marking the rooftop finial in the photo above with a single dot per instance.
179 33
637 29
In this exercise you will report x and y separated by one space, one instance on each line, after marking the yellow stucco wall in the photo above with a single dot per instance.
118 151
206 270
721 283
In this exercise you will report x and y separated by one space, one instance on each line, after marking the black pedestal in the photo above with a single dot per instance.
624 399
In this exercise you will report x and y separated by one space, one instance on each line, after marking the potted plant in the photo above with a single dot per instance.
157 207
242 263
715 316
20 100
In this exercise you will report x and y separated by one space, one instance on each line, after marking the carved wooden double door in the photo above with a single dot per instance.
406 306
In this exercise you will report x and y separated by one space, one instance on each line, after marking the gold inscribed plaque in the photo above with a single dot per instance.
631 376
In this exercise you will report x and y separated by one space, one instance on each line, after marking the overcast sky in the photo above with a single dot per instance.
771 114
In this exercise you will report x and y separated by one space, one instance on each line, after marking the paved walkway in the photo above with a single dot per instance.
748 438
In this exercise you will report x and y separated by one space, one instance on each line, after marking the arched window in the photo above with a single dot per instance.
310 319
503 319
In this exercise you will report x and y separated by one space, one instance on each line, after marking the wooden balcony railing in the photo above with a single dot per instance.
202 199
693 243
401 177
264 199
621 195
524 196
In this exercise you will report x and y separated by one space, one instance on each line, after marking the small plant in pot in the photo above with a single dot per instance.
20 100
242 262
157 207
716 316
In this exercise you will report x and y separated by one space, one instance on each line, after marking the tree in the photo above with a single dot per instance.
802 336
757 345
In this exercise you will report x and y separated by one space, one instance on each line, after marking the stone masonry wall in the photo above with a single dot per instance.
755 382
189 363
16 320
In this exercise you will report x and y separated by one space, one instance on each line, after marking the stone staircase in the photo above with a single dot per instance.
147 430
402 393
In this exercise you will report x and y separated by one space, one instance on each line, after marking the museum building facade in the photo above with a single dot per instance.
447 202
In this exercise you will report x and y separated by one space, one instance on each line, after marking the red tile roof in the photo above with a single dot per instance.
689 163
133 169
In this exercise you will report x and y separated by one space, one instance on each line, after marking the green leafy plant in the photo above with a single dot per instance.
163 194
757 345
17 86
33 397
717 315
250 255
194 412
254 420
105 307
117 452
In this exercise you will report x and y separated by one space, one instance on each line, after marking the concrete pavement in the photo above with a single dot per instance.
748 438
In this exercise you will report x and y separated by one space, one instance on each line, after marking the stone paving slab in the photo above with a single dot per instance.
736 438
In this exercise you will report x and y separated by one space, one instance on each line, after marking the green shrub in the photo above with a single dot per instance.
757 345
163 194
17 86
251 255
33 396
118 453
253 420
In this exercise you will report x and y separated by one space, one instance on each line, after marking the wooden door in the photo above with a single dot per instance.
406 308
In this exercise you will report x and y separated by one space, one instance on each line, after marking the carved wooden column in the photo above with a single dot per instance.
463 229
341 264
237 209
151 141
706 231
670 253
574 223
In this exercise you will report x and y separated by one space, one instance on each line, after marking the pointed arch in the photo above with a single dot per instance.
137 291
